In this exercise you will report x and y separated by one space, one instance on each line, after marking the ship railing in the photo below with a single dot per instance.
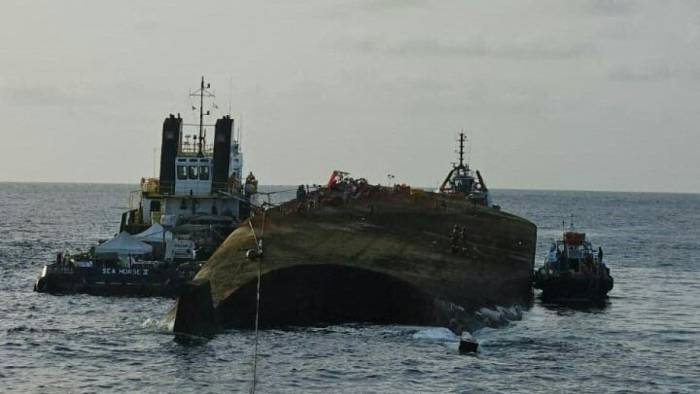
193 150
150 185
58 269
221 186
227 187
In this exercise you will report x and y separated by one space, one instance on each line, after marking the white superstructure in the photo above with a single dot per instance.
198 181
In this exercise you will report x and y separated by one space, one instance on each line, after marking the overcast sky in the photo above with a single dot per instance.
583 95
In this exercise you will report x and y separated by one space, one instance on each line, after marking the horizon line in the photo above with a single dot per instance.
422 187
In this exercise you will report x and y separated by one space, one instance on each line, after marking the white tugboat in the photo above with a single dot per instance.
174 222
573 271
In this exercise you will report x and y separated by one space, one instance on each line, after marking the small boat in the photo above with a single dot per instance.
573 270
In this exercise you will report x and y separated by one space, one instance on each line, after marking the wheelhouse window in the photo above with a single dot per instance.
192 171
181 172
204 173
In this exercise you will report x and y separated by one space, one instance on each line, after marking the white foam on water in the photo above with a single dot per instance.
500 315
439 334
159 324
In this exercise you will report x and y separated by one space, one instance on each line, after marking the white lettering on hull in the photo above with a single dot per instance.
125 271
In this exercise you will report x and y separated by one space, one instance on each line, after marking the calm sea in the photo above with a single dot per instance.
647 339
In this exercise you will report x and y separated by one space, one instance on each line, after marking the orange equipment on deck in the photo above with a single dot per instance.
572 238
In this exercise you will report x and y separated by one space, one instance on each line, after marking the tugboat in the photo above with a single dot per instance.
572 271
462 180
174 223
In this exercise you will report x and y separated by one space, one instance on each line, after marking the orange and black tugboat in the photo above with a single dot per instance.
573 271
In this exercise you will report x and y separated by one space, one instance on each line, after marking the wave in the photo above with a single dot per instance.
499 316
438 334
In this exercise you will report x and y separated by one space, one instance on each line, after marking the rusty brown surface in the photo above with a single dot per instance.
406 235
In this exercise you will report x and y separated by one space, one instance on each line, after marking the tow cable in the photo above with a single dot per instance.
257 255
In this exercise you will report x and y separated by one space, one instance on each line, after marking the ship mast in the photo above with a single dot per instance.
462 139
201 93
201 115
460 169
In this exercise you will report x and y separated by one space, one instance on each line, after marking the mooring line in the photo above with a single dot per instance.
257 301
255 350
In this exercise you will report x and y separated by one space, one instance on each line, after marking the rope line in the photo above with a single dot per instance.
255 349
258 242
277 192
255 237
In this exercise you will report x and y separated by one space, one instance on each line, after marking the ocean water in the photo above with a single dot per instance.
646 339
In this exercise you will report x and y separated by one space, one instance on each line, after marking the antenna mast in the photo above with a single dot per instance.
201 93
201 115
461 149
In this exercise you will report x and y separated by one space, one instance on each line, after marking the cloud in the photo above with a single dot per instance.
610 7
92 93
382 5
428 47
363 7
34 94
628 74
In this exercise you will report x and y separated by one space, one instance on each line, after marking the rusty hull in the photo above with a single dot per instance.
385 256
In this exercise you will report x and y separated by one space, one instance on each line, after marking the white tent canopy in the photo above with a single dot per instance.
155 233
124 244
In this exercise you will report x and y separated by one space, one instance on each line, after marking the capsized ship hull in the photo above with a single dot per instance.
387 255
